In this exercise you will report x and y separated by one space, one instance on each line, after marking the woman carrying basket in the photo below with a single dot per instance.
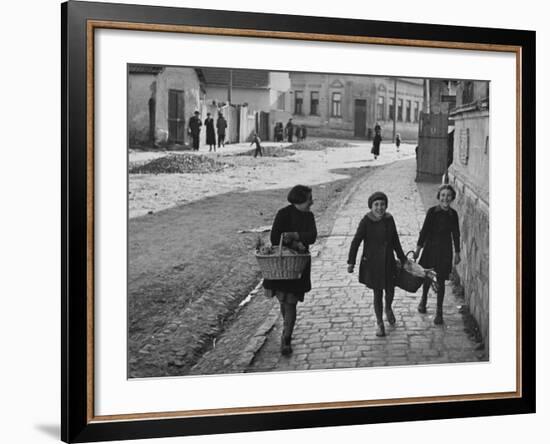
378 233
439 232
296 224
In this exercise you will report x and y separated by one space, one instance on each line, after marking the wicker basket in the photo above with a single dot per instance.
277 266
407 281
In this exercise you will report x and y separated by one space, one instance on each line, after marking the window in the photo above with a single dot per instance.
298 102
468 92
400 110
336 104
392 108
314 108
408 111
380 115
416 111
281 100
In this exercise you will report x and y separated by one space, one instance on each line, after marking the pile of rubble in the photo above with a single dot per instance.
180 163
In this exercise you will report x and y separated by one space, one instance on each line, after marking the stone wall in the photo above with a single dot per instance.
141 88
473 271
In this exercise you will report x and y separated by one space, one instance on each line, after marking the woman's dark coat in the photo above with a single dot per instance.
290 219
221 125
439 232
380 240
210 133
376 144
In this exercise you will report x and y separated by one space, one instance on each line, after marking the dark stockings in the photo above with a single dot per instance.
289 319
379 305
440 293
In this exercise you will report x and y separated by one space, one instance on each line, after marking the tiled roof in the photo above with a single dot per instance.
242 78
145 69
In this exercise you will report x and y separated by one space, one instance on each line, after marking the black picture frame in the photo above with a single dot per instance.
78 423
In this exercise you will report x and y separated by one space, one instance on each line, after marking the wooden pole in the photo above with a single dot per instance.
394 106
230 86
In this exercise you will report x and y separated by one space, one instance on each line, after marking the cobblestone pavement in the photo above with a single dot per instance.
335 327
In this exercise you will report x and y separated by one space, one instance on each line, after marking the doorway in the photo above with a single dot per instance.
176 119
360 127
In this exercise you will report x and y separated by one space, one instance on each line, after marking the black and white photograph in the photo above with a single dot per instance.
285 221
243 222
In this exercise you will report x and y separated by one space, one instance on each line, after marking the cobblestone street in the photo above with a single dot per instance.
336 324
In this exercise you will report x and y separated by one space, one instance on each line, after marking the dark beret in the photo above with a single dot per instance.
378 195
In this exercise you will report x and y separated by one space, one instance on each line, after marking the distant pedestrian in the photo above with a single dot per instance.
376 144
289 130
296 224
221 125
377 128
378 233
256 140
298 133
279 132
304 132
439 233
194 130
210 132
397 141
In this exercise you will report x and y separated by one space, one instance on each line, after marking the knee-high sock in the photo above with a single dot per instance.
425 290
378 305
390 292
289 320
440 293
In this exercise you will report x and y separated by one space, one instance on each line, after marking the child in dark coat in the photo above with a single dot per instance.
296 224
440 232
378 233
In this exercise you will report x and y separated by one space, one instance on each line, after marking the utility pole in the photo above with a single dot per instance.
426 104
230 86
394 117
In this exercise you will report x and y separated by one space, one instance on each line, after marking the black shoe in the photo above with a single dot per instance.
422 308
286 348
390 316
438 320
381 331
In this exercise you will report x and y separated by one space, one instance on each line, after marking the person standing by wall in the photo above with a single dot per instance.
279 132
194 130
289 130
210 132
376 141
221 125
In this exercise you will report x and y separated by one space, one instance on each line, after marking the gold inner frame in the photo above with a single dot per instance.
92 25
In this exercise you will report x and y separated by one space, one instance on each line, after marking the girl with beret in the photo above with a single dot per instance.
439 232
296 224
378 233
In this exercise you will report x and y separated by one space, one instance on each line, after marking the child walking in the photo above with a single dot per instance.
256 140
378 233
439 233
